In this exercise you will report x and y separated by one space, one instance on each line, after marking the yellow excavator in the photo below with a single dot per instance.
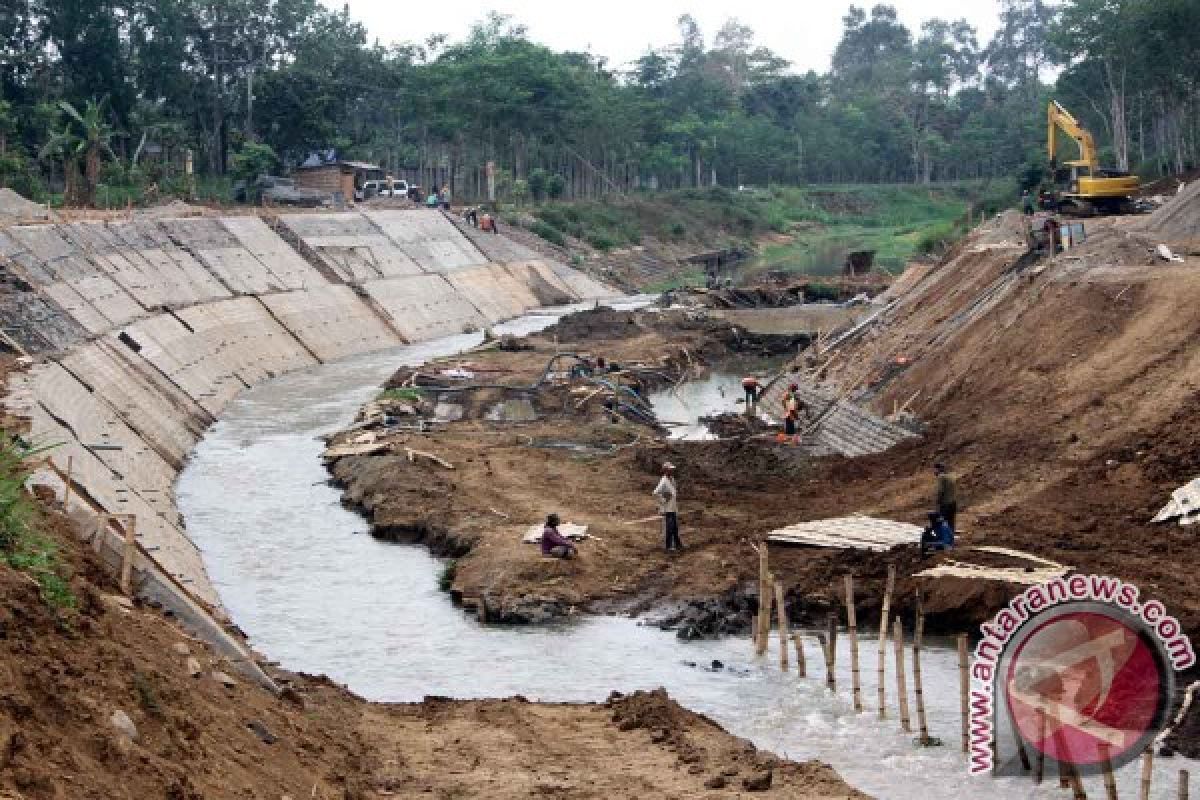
1081 186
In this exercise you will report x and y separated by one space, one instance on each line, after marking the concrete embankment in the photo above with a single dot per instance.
141 331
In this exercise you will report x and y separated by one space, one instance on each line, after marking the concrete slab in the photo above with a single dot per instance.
164 416
425 307
288 270
849 533
332 321
546 286
428 238
494 291
243 336
134 465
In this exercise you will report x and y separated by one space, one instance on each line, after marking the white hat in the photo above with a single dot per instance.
668 465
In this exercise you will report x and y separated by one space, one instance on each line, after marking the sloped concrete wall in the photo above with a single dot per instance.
146 329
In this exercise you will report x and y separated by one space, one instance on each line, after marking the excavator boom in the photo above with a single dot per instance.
1060 118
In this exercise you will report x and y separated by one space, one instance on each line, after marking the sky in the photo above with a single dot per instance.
803 31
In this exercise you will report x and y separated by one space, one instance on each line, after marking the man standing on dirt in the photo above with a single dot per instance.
668 506
791 414
750 387
947 494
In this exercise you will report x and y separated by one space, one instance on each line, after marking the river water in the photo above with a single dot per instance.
315 592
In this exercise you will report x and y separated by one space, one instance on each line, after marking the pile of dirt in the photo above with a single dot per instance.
730 425
15 208
1178 221
1111 247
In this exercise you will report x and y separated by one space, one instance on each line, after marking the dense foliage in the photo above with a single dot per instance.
245 84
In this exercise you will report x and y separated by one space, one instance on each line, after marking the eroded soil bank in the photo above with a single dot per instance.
188 731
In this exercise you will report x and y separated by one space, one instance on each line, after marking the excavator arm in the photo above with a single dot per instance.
1058 118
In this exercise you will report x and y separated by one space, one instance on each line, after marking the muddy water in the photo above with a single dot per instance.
301 576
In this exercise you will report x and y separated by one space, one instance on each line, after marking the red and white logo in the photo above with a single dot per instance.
1086 685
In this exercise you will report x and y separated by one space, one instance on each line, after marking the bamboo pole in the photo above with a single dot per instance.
901 688
127 558
67 487
781 612
918 692
883 636
964 689
801 666
1077 791
1039 772
763 600
852 625
1110 780
1183 784
831 653
1147 772
764 618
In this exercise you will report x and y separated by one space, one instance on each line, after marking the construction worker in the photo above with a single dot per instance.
751 387
1027 204
668 506
791 413
554 544
938 534
947 494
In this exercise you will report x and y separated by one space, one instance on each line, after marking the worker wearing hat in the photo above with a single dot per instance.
947 495
668 506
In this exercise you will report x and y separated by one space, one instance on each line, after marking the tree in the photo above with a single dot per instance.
80 144
252 160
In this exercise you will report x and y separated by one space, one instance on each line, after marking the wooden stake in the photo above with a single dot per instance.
764 619
763 600
1040 770
1110 780
67 488
1183 784
831 653
754 632
1077 785
1147 772
784 632
918 693
964 690
801 666
883 635
852 624
901 688
127 559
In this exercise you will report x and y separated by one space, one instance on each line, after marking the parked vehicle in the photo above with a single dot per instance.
386 188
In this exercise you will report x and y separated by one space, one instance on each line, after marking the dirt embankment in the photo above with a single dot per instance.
572 458
102 702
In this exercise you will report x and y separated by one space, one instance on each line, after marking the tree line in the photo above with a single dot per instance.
128 92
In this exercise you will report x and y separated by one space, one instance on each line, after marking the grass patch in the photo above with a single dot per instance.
22 546
401 395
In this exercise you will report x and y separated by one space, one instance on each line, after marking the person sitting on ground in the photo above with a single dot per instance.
947 495
554 544
938 535
488 223
432 200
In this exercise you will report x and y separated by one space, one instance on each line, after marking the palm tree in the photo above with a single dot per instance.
83 140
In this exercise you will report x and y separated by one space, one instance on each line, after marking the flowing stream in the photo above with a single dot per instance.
314 591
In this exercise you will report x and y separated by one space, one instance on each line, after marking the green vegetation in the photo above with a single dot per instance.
819 224
22 546
144 85
449 572
401 395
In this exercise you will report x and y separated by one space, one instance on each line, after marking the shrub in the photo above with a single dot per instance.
252 160
22 547
601 241
449 572
550 234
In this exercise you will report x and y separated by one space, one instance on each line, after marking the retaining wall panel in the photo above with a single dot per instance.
290 271
494 291
424 306
428 238
332 321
